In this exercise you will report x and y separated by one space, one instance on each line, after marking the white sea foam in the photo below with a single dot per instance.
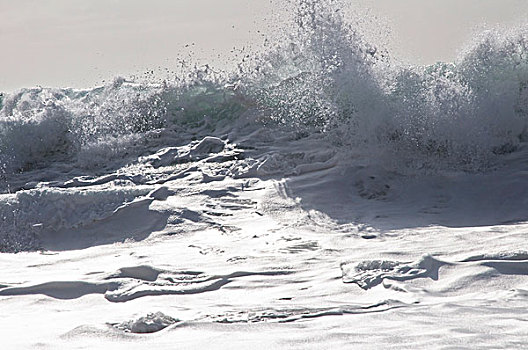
322 195
323 77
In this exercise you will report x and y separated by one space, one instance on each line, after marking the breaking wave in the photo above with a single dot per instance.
323 78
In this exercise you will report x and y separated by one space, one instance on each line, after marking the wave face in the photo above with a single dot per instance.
323 77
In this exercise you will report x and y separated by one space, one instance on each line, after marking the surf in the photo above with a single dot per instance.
322 78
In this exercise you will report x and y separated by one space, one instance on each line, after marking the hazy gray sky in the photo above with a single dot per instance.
80 43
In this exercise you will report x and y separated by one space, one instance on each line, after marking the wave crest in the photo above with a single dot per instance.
323 77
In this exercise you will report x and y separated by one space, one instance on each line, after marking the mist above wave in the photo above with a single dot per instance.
323 77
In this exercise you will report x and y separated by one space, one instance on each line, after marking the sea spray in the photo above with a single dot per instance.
322 77
320 97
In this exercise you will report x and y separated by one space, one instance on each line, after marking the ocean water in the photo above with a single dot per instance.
322 194
322 83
